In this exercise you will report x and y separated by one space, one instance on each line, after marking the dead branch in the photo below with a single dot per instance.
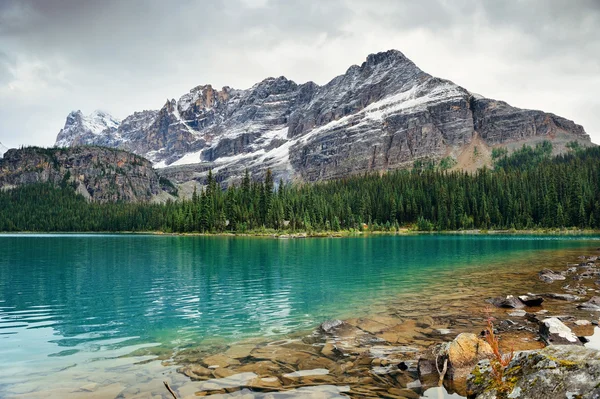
169 389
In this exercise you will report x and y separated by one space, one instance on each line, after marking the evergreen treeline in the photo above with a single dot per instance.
528 189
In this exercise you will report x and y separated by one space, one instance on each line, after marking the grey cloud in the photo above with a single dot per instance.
128 55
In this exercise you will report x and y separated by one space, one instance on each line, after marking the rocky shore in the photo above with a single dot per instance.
406 352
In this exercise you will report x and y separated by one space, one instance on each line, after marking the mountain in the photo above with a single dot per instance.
3 149
381 115
98 128
98 173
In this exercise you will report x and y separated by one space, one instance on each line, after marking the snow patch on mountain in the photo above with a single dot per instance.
3 150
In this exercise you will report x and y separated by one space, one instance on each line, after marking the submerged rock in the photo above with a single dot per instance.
329 326
507 302
555 332
592 304
563 297
549 276
553 372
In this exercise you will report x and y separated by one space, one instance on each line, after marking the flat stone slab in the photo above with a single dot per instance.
306 373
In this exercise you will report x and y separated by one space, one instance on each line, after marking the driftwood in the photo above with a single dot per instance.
169 389
444 369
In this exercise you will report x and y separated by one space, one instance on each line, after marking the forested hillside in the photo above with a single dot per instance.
527 189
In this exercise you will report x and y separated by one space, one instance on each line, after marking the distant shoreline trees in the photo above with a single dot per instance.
526 190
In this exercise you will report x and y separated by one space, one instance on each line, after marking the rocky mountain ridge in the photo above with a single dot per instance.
98 173
381 115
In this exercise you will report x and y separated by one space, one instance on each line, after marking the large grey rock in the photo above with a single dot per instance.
553 372
381 115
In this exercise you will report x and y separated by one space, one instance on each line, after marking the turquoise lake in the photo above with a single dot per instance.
82 302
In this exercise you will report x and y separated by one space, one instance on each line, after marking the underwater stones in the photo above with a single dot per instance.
279 354
518 313
593 304
222 372
329 350
562 297
219 360
239 351
195 372
329 326
507 302
233 381
549 276
265 383
319 363
262 368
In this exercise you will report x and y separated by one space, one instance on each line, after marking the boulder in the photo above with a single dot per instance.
507 302
553 372
462 354
549 276
466 350
592 304
555 332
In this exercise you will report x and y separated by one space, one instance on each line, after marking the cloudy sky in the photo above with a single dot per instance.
124 56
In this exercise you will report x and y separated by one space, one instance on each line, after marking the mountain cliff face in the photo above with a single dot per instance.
99 174
381 115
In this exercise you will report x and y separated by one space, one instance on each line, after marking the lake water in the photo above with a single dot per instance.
73 306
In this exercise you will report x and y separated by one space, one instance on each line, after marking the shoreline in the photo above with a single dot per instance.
327 234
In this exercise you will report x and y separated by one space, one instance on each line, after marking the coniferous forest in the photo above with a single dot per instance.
528 189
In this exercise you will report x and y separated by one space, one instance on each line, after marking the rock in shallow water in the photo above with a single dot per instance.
592 304
462 354
555 332
531 300
563 297
507 302
329 327
549 276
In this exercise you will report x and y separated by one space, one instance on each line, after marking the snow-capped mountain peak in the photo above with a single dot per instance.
380 115
80 128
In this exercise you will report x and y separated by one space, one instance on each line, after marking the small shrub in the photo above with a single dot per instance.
500 360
